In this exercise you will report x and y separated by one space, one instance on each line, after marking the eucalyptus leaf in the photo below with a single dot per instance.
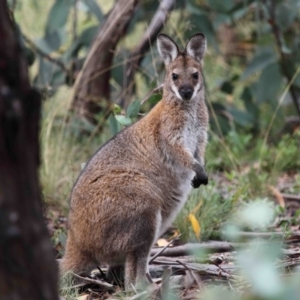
133 109
88 35
250 106
123 120
46 69
58 15
242 118
118 67
285 14
262 58
203 24
269 84
154 98
95 9
85 39
221 5
114 125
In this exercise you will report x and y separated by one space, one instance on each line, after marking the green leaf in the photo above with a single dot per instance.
52 40
123 120
154 98
88 35
117 109
194 8
49 75
250 106
241 117
58 15
95 9
285 14
262 58
203 24
227 87
118 67
269 84
221 5
84 40
114 125
133 109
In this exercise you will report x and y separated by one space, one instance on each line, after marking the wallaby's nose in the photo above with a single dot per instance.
186 92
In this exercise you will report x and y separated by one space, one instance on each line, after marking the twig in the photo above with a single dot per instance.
133 288
149 278
94 281
197 280
151 92
163 249
45 55
74 25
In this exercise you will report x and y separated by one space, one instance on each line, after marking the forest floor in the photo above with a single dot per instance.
186 270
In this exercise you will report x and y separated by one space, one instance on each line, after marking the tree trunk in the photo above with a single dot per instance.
92 92
27 266
141 49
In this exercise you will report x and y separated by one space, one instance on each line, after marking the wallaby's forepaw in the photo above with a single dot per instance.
201 176
196 181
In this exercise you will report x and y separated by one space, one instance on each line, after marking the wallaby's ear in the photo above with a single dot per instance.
167 48
196 46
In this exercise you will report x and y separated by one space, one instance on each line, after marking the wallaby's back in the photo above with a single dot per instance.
133 187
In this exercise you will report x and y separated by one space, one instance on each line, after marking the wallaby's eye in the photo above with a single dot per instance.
174 76
195 75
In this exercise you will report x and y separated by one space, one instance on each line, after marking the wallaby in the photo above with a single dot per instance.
133 187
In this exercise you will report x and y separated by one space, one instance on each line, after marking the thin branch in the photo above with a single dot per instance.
151 92
74 25
94 281
163 249
147 40
197 280
149 278
284 60
45 55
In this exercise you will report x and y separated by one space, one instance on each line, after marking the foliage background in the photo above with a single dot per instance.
252 79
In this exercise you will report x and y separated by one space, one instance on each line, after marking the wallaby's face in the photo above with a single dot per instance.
183 69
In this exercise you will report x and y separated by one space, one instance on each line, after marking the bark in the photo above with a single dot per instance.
92 91
147 41
27 266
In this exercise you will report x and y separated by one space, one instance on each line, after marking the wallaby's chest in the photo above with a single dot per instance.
191 133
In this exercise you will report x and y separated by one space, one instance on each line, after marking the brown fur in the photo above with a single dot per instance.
132 188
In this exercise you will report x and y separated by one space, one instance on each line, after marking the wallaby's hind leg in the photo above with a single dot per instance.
135 269
76 261
136 261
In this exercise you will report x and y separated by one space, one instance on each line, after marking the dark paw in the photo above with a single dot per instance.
197 181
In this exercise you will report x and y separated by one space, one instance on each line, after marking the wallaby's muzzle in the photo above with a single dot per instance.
186 92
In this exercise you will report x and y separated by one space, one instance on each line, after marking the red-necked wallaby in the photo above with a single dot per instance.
134 186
